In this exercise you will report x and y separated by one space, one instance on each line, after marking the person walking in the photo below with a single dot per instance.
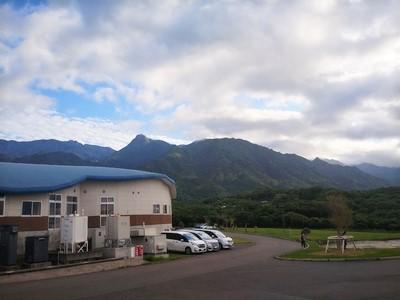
303 239
344 239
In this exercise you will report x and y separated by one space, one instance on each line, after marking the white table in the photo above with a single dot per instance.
343 239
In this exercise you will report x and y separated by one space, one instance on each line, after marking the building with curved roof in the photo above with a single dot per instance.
36 197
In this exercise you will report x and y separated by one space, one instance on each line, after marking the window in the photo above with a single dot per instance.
156 208
54 211
2 204
106 209
165 209
72 205
31 208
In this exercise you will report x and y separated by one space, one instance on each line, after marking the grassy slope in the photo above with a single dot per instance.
319 234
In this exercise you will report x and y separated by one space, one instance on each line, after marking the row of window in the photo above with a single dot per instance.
156 208
55 209
106 209
34 208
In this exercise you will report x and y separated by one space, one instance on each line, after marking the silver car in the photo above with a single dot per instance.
212 244
225 242
181 241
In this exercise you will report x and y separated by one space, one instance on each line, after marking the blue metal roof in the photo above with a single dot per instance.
31 178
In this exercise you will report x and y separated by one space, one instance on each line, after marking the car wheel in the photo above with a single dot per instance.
188 251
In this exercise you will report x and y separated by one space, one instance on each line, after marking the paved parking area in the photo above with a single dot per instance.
242 273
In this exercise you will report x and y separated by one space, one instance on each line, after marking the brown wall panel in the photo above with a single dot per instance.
41 223
93 221
27 223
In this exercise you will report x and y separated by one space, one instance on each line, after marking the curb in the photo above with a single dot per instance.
337 259
55 267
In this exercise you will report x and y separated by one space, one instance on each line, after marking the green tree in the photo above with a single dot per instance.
340 213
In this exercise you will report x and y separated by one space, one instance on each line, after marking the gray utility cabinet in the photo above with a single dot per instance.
36 249
8 244
96 238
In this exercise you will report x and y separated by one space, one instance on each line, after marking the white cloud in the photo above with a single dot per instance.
307 77
45 124
105 94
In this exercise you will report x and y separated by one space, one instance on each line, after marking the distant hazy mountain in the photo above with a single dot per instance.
391 175
223 166
138 152
347 177
14 149
203 168
55 158
333 161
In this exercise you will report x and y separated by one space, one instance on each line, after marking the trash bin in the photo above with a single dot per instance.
8 244
36 249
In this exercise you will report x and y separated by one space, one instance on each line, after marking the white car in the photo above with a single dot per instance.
224 241
212 244
186 242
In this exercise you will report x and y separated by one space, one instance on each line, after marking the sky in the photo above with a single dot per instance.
315 78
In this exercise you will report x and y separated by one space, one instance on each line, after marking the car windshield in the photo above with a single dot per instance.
219 234
203 235
189 236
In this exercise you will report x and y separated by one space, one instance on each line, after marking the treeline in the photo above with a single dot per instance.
374 209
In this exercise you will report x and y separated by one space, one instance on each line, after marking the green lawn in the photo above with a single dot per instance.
241 241
319 234
317 252
161 259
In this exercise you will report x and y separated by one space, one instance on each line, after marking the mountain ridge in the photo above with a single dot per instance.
138 152
17 149
392 175
218 167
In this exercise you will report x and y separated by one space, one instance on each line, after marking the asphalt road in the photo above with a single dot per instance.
243 273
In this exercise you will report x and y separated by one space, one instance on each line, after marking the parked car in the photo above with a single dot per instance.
204 226
186 242
212 244
224 241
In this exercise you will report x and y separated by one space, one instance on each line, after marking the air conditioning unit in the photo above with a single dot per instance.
118 228
74 229
137 232
151 231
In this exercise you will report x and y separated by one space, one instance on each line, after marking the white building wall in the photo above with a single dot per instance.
130 197
135 197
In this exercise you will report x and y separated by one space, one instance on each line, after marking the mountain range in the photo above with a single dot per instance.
206 168
14 149
391 175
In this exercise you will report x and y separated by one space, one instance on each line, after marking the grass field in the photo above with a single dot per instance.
319 234
241 241
315 251
161 259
